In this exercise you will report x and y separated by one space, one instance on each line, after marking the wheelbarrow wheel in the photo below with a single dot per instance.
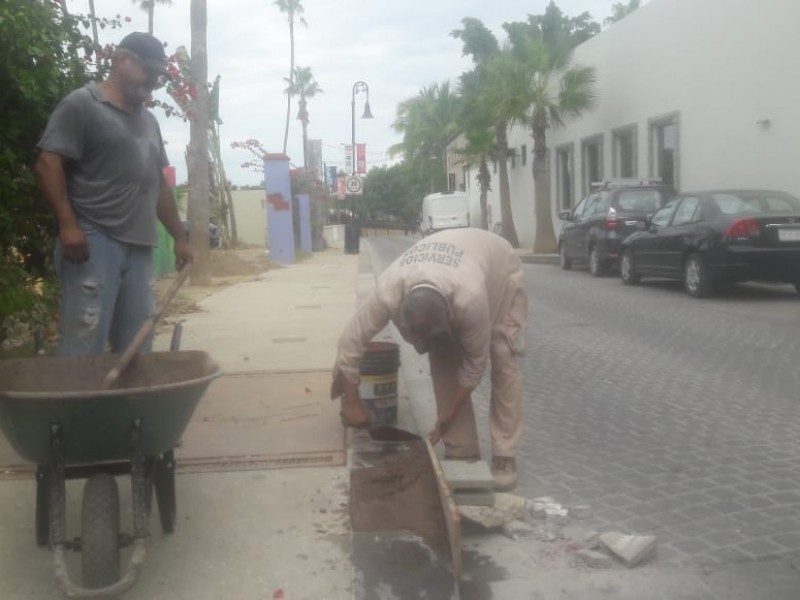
164 484
100 535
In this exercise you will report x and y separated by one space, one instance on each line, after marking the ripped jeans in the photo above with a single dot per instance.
106 299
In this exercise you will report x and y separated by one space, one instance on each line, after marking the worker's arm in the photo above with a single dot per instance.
53 185
168 215
445 420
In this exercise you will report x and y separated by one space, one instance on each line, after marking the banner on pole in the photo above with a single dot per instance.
341 190
348 158
361 159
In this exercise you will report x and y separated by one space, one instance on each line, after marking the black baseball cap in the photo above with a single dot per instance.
148 49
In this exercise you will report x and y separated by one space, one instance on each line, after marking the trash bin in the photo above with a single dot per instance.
351 238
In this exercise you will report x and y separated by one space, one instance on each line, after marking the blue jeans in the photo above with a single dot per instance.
106 299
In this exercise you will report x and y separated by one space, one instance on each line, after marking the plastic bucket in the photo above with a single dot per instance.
378 389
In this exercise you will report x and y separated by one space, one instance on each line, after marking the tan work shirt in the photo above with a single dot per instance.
476 271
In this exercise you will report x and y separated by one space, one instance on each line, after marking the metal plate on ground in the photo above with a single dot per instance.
264 420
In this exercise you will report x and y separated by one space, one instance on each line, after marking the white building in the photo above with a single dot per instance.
701 93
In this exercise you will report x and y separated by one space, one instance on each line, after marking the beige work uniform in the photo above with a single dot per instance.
482 280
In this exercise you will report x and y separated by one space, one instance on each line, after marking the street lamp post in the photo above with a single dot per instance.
352 228
358 86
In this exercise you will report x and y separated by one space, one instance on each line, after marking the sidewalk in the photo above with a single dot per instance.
241 534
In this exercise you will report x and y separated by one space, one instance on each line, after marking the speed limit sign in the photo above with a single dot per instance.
354 186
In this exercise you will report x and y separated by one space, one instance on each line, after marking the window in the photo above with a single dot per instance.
624 161
688 211
523 155
661 218
664 150
592 206
644 201
592 151
579 208
451 181
564 176
513 161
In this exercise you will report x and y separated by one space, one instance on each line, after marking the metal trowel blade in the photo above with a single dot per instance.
387 433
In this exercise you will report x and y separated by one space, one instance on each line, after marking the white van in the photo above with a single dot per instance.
444 210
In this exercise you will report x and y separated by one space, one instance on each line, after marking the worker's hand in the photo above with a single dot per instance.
183 255
73 243
440 428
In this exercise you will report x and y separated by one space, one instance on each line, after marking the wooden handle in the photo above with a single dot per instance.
147 327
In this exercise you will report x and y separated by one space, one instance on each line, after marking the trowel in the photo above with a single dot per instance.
387 433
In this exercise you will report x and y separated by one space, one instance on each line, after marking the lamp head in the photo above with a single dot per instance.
367 112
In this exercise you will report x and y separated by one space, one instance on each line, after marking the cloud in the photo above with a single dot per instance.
396 47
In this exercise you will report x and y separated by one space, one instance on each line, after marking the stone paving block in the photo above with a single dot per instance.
461 474
580 511
631 549
473 497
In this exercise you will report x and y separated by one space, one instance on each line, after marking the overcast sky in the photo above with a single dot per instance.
396 47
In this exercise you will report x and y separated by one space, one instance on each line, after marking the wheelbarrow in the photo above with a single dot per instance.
56 415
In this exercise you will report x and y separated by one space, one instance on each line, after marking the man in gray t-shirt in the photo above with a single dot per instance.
100 168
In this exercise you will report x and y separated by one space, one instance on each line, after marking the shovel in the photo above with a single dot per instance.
124 360
387 433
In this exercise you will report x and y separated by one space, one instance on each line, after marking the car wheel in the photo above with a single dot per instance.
597 267
696 279
565 261
627 269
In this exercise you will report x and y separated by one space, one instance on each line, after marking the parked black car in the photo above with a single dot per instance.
214 234
718 238
594 231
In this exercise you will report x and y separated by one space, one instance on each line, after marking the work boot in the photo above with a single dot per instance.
504 473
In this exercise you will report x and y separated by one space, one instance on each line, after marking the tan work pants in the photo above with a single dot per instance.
505 408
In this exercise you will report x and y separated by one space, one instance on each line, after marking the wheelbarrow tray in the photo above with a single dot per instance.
160 390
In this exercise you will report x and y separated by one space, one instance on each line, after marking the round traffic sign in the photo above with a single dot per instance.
353 185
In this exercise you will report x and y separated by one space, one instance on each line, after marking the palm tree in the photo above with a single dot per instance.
427 122
93 17
479 150
559 90
149 7
497 90
305 86
292 8
620 10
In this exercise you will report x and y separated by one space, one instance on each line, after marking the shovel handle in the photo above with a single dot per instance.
147 327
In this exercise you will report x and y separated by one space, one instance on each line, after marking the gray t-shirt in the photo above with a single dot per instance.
114 163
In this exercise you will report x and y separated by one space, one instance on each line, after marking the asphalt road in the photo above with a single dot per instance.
666 414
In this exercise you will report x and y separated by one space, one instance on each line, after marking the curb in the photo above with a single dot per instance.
540 259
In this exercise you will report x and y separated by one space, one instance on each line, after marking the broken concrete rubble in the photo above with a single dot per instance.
596 560
630 549
507 508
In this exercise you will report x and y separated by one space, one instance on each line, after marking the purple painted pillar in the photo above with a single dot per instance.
280 231
304 206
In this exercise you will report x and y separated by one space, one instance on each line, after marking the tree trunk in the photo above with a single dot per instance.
506 216
198 135
291 82
95 37
545 240
483 183
150 16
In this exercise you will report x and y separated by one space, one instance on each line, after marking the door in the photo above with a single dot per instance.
583 223
648 247
678 235
570 227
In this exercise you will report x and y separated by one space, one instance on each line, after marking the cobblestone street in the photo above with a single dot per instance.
668 415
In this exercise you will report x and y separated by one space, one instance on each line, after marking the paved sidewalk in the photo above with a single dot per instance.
261 534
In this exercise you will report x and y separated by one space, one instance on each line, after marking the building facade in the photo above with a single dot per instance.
698 93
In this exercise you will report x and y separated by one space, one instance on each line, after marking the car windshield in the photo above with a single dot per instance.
741 203
644 201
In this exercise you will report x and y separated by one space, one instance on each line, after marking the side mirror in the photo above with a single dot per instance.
565 215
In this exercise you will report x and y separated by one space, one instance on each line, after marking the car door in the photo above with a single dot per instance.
648 249
571 226
583 225
677 236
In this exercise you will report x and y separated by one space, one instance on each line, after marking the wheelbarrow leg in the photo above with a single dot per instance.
42 501
57 490
164 483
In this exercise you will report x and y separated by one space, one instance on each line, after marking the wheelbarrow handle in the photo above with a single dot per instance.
147 327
